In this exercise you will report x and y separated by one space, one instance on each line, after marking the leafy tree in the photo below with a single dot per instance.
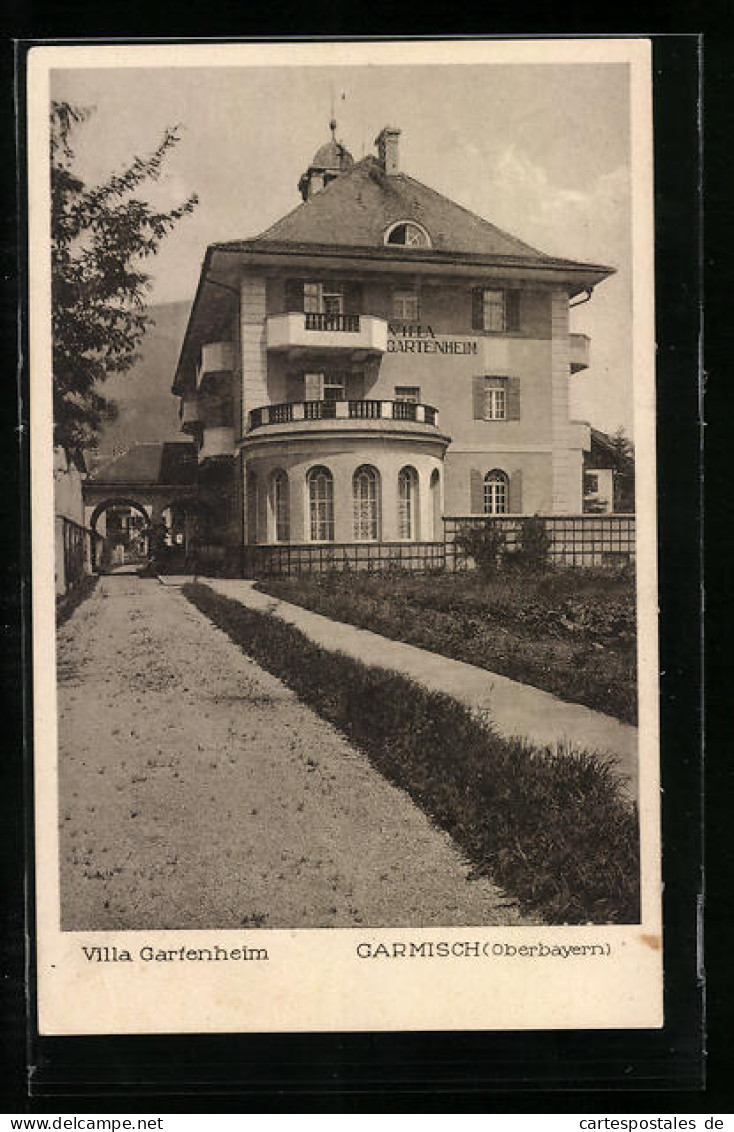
100 238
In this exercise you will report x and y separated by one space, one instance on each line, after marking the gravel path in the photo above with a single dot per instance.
196 791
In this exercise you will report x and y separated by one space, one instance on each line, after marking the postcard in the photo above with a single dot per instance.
344 536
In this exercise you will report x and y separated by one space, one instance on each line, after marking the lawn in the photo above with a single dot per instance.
568 631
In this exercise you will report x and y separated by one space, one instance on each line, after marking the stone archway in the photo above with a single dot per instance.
116 503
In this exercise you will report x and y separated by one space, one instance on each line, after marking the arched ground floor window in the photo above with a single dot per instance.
366 494
279 506
496 493
321 504
436 503
408 503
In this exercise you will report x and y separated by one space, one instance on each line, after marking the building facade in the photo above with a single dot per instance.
377 359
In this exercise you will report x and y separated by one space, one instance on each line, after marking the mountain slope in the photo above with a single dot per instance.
148 411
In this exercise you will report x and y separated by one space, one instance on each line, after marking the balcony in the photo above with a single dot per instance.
217 442
216 357
579 345
301 415
189 414
354 335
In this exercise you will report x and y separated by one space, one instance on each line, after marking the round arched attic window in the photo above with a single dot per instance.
408 234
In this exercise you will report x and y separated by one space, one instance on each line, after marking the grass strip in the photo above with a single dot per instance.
71 600
553 829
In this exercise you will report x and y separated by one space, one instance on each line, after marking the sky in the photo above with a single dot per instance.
541 150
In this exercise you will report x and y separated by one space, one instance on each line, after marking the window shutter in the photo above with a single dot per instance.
295 387
478 398
294 294
477 308
516 493
353 298
476 492
512 310
513 398
355 386
313 387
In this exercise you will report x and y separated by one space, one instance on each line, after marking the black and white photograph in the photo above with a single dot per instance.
344 526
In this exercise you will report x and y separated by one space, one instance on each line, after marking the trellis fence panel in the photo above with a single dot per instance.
575 540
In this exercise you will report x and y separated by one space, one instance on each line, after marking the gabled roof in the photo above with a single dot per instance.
349 218
356 208
171 463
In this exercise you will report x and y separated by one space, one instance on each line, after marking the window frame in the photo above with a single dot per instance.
506 307
495 397
407 222
494 479
323 291
324 521
334 380
373 501
408 505
402 296
281 517
401 391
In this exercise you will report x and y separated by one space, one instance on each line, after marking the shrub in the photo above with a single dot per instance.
533 544
485 544
553 829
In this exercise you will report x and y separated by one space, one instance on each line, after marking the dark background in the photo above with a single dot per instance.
646 1071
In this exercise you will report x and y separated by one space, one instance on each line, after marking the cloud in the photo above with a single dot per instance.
584 224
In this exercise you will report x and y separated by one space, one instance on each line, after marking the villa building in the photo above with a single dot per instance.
378 359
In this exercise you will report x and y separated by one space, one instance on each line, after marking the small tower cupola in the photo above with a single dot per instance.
387 149
329 162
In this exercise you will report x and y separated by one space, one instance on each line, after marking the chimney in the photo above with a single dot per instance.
387 149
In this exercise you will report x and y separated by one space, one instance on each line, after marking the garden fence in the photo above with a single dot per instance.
575 540
74 552
308 558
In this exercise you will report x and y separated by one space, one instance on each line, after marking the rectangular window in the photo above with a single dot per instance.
335 386
313 386
496 310
493 311
405 306
408 393
495 398
323 298
591 483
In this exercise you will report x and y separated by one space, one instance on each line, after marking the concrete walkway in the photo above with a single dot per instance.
515 709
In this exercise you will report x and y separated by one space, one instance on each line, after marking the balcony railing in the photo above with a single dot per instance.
347 323
361 410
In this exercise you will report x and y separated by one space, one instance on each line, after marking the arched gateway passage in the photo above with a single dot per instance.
148 500
130 536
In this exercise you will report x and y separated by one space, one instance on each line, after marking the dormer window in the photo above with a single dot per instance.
409 234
